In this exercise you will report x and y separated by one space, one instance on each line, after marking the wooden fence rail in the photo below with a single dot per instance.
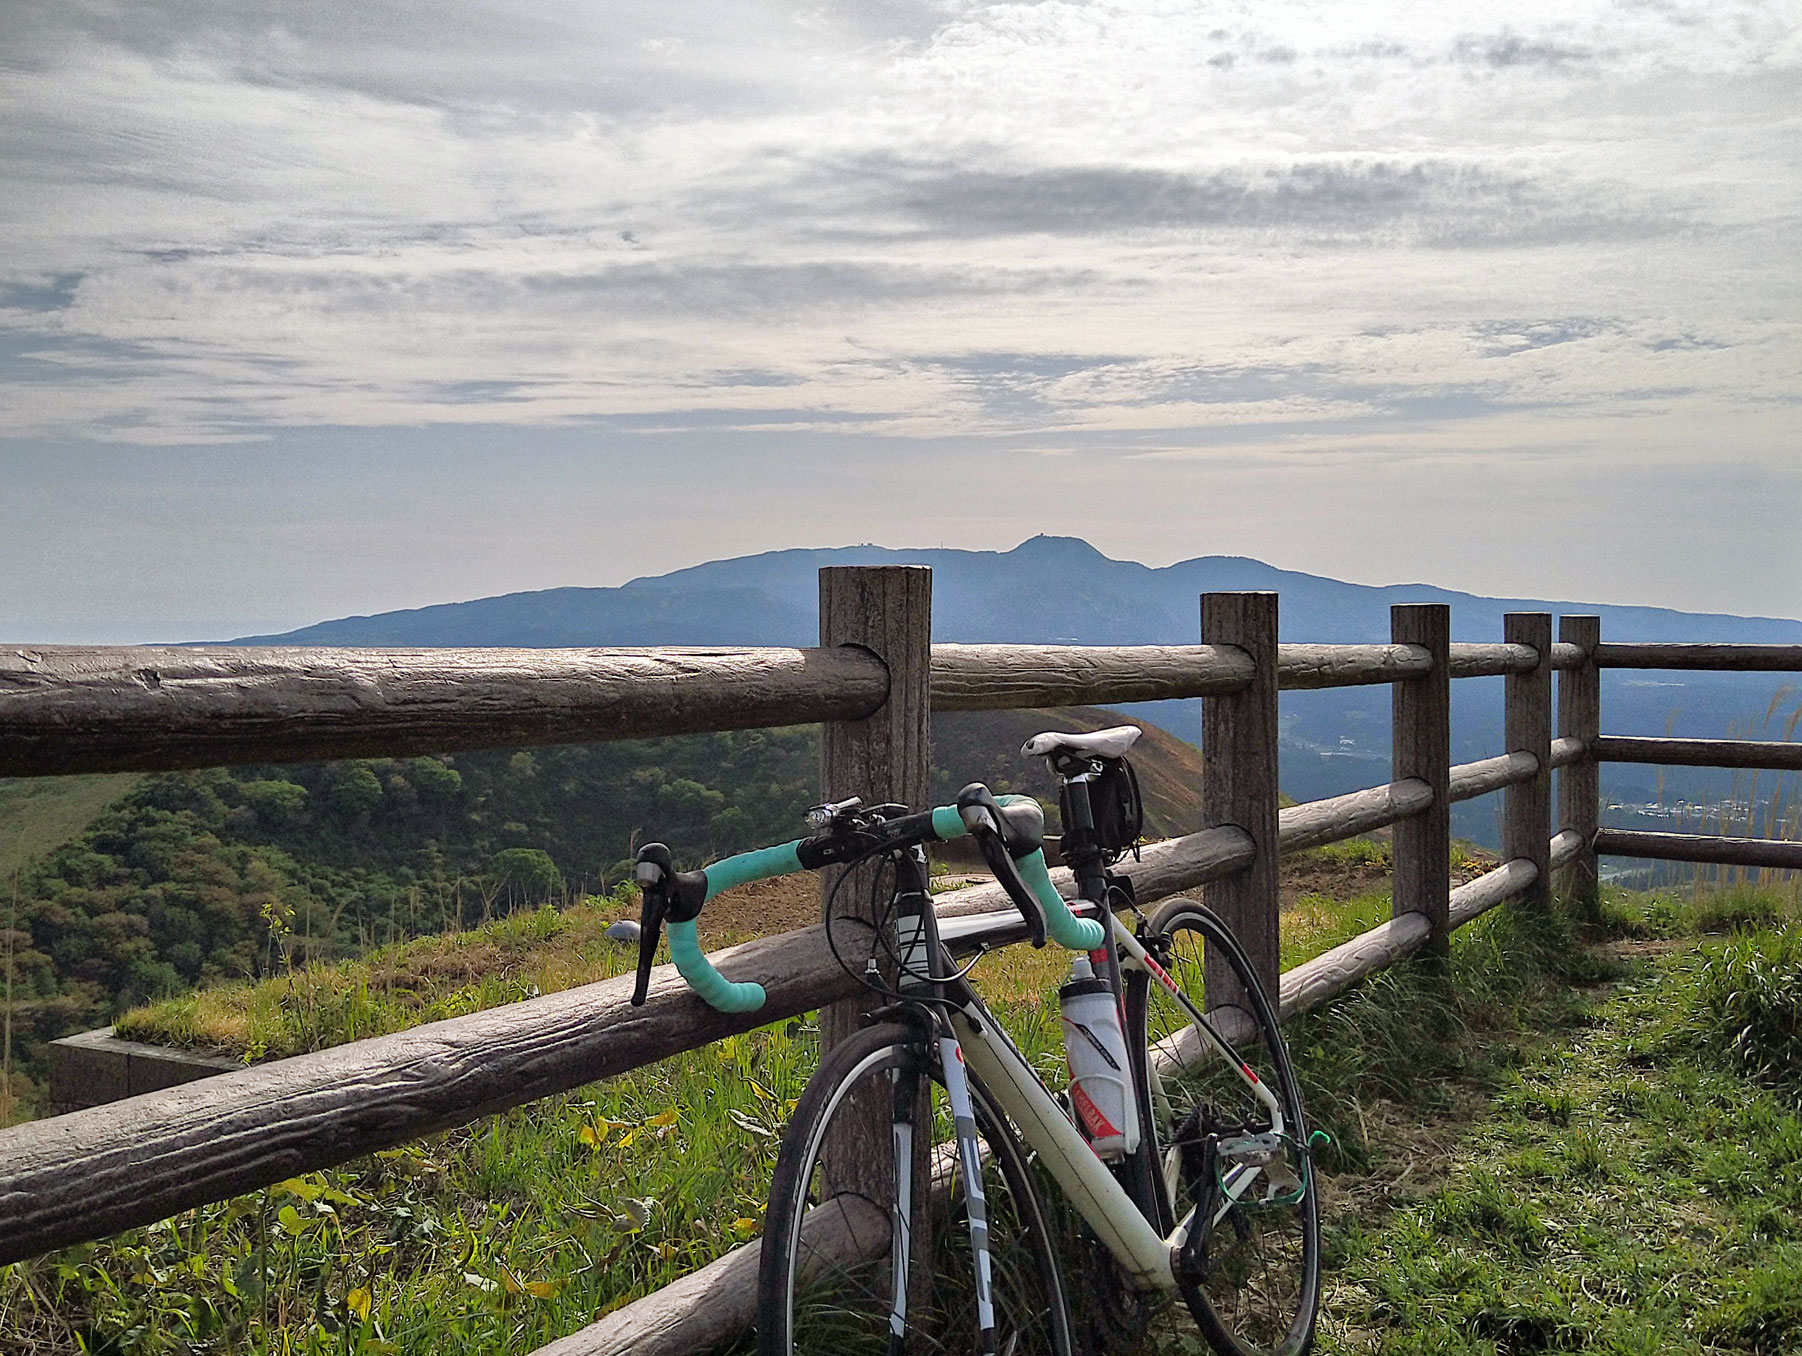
1717 658
872 682
81 708
1696 847
87 709
1770 754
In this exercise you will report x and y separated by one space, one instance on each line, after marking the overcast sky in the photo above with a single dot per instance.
325 308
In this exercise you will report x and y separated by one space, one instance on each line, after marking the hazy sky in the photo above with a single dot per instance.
324 308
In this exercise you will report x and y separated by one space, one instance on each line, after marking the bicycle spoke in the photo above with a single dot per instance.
842 1294
1255 1279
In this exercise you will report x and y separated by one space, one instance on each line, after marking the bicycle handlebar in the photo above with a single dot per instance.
1009 834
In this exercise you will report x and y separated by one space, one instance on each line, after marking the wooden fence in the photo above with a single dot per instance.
872 683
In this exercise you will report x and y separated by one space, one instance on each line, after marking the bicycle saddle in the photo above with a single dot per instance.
1111 743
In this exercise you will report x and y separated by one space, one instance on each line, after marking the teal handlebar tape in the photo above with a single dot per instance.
692 964
1066 929
749 866
947 823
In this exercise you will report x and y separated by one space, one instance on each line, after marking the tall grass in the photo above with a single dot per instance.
1778 816
1750 998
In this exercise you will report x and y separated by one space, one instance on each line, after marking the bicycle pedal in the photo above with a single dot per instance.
1269 1152
1256 1151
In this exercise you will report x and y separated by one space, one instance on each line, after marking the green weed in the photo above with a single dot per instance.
1750 1001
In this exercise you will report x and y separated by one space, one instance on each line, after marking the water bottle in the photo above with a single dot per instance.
1095 1050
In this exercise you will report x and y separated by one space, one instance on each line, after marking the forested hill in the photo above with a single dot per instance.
196 876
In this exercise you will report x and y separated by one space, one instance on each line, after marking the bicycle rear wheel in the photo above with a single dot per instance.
827 1280
1252 1282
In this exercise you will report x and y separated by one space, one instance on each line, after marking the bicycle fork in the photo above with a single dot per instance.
919 949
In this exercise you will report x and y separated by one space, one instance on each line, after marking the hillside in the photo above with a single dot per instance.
195 877
40 814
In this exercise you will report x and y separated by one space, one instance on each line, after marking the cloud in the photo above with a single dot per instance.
928 220
1508 49
57 294
1431 202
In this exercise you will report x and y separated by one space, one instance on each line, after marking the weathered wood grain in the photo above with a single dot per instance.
1579 776
1239 783
92 1173
1331 973
70 709
1421 721
1303 667
1317 822
1491 661
1565 848
1469 780
1752 753
886 610
1010 677
1486 891
1487 660
1567 655
1527 722
1566 751
1694 847
1727 658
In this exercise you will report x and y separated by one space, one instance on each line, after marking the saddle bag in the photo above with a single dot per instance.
1115 805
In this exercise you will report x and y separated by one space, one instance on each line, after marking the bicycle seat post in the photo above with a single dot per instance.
1079 846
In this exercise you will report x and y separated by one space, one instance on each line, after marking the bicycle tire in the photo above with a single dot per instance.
817 1297
1254 1286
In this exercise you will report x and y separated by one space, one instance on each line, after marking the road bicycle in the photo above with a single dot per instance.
906 1214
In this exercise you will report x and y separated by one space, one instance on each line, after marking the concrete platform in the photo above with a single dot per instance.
96 1067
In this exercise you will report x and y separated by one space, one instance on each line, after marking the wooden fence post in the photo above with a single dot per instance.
887 610
1527 720
1421 744
1579 785
1239 785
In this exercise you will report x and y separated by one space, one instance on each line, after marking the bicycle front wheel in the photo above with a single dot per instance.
828 1278
1252 1281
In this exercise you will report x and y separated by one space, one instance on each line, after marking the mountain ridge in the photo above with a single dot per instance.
770 598
1063 590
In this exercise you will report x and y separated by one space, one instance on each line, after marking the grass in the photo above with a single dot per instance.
496 1237
1596 1172
1750 992
40 814
1551 1145
426 979
394 987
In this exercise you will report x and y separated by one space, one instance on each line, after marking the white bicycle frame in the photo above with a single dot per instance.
992 1056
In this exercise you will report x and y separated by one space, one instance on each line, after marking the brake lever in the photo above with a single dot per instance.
654 872
981 814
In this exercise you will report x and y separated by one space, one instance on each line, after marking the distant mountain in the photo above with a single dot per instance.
1045 589
1052 589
